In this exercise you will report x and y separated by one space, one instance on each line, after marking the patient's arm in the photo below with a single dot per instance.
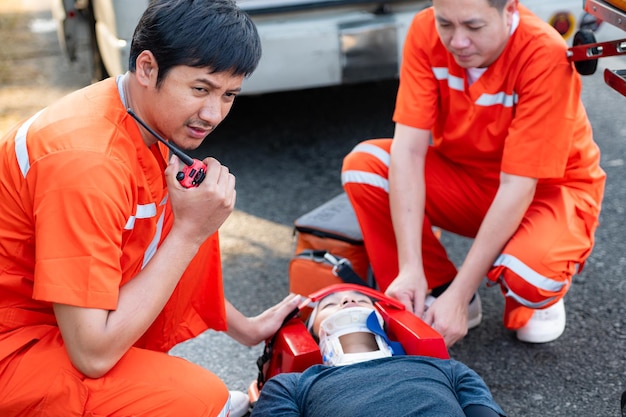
477 410
472 392
277 398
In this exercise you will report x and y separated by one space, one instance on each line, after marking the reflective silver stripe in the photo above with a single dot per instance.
454 82
457 83
507 100
226 410
21 150
367 178
525 302
144 211
441 73
528 275
380 154
152 248
531 277
362 177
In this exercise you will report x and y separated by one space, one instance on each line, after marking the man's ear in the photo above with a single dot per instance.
509 10
146 69
511 6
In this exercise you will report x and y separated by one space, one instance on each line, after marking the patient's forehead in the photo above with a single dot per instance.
337 297
332 304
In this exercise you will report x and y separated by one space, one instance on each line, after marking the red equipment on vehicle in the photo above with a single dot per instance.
293 349
585 51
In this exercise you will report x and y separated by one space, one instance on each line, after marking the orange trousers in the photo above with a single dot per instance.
40 381
534 269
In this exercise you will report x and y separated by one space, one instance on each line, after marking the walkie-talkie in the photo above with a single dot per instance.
194 170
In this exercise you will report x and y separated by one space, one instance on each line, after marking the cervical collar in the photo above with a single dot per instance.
349 320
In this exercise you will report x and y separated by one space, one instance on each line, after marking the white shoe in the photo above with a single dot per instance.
474 310
545 325
239 404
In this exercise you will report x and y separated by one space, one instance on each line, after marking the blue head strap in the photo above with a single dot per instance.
374 325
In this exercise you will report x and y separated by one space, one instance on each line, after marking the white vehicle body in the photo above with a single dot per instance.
306 43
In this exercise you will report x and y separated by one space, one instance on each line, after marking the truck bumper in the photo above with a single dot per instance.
329 50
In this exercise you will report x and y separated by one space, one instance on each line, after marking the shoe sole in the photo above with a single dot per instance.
544 337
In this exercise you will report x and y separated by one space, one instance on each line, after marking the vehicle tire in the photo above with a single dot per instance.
585 37
98 70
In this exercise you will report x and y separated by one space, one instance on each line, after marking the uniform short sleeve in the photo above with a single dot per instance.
81 204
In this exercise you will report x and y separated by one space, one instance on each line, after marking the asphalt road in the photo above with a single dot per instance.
286 151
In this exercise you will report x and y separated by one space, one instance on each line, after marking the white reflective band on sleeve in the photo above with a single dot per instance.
21 150
130 224
151 250
454 82
380 154
144 211
528 275
441 73
500 98
367 178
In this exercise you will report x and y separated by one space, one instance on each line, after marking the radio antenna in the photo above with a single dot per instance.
187 160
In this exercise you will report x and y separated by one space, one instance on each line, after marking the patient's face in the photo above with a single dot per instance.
338 301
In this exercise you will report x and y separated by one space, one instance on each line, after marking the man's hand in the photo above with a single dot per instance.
448 316
410 289
200 211
251 331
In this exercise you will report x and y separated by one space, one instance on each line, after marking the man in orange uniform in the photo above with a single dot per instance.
491 142
106 260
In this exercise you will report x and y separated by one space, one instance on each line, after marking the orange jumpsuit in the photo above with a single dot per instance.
84 207
524 117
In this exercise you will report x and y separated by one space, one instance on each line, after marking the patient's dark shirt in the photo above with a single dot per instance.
395 386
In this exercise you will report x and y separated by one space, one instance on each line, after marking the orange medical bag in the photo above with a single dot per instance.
329 249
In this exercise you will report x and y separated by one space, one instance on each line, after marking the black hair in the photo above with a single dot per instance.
498 4
215 34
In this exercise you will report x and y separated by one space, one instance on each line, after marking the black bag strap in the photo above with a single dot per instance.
267 350
262 360
343 269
